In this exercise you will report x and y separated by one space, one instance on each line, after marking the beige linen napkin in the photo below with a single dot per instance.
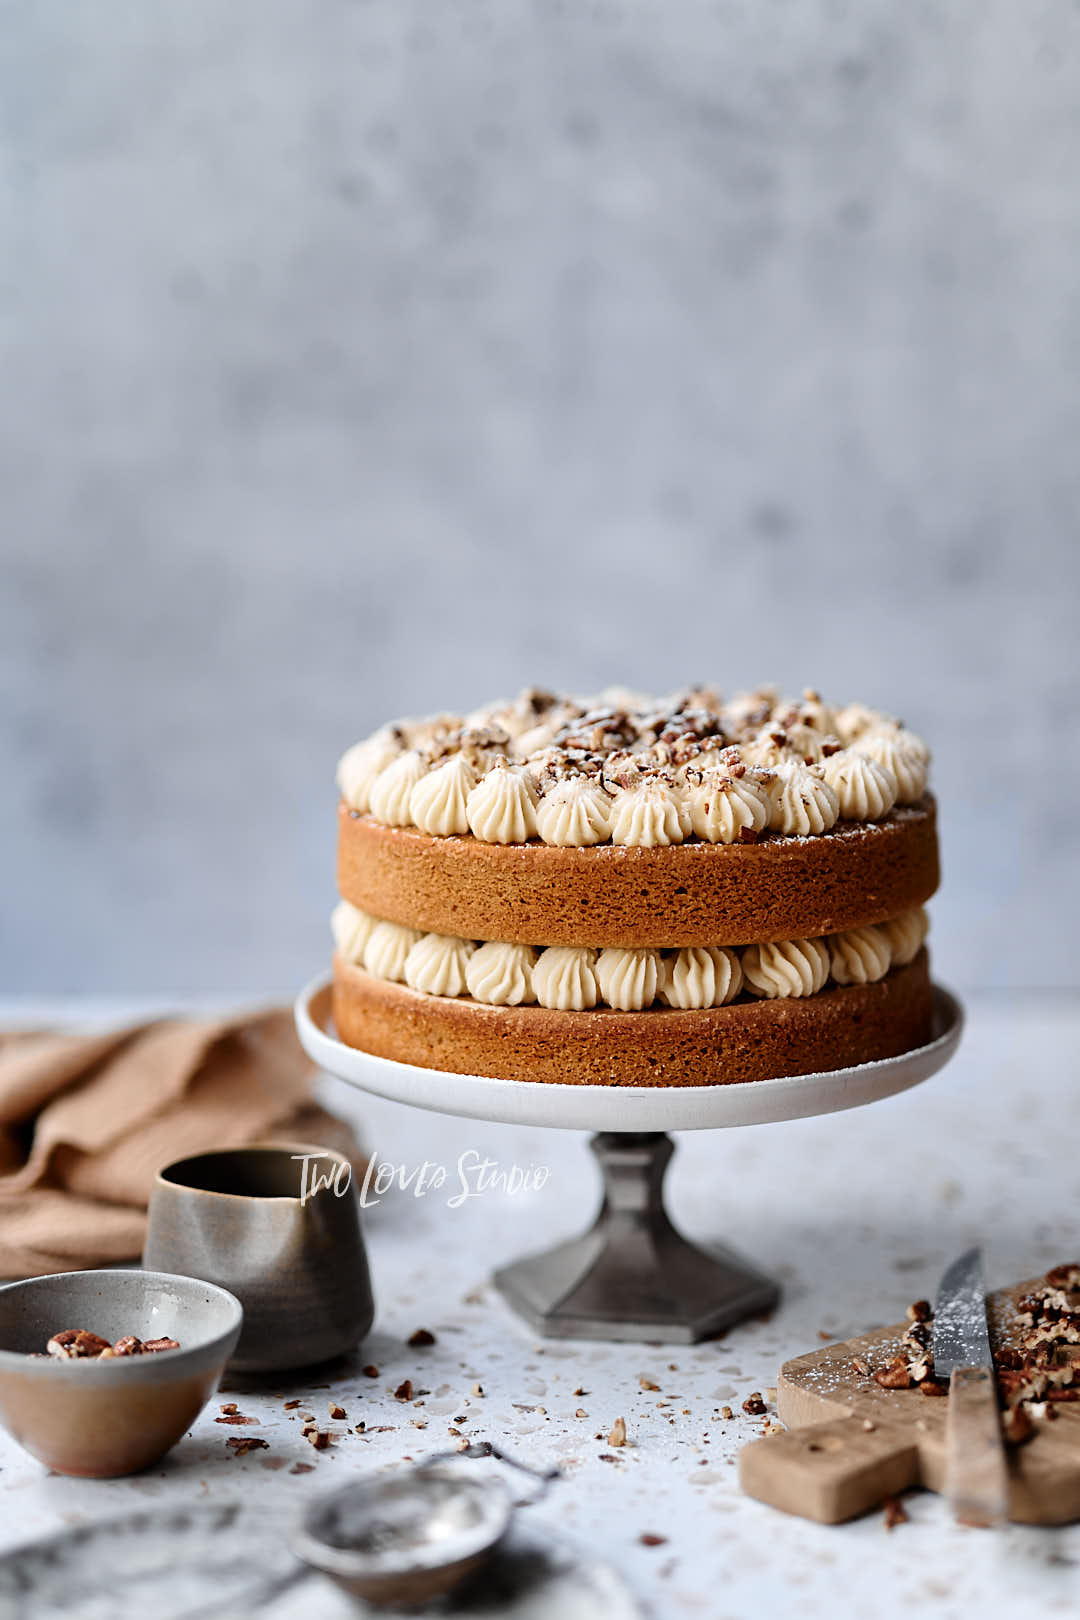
87 1120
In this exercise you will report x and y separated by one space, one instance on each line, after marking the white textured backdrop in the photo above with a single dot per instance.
370 358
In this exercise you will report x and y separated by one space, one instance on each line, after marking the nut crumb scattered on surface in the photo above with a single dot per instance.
337 1412
648 1539
581 1412
647 1383
869 1425
404 1391
370 1372
238 1444
753 1405
302 1468
895 1512
421 1339
726 1412
319 1438
291 1405
228 1408
617 1436
477 1390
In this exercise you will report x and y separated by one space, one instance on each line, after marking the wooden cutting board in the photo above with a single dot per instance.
831 1466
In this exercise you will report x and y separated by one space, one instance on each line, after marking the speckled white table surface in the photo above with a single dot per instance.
854 1213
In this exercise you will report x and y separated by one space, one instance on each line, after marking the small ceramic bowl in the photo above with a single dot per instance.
249 1219
103 1418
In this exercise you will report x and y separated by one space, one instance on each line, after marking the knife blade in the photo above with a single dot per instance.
976 1473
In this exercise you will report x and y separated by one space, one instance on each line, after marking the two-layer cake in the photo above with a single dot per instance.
625 890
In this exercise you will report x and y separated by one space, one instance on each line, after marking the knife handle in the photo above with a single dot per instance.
976 1473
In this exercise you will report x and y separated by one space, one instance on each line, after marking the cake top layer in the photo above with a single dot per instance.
637 770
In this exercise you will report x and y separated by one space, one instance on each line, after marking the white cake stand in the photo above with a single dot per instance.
632 1275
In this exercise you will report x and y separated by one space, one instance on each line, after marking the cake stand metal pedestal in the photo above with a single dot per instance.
632 1275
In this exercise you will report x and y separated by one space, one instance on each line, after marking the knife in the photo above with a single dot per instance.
976 1474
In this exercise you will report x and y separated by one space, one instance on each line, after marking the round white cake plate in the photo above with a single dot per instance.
632 1275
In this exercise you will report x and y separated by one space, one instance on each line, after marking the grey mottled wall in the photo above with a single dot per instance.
369 358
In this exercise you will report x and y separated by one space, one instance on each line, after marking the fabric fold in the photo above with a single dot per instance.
86 1121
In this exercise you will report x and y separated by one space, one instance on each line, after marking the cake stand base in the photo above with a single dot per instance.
633 1275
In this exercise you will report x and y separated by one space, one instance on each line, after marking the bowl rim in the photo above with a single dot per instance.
204 1348
309 1149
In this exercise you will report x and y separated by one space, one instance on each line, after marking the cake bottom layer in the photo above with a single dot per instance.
662 1046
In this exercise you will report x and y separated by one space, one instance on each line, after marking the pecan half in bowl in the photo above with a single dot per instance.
103 1416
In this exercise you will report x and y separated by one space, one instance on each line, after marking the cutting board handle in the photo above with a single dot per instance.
830 1471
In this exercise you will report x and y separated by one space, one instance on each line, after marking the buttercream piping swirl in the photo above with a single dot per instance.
565 978
722 808
859 955
649 815
701 976
906 934
501 808
801 802
501 974
902 757
360 765
437 965
391 791
387 946
865 789
438 800
790 967
574 813
351 928
628 978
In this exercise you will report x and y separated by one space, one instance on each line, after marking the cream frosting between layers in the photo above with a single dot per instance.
701 976
906 934
565 978
501 974
631 979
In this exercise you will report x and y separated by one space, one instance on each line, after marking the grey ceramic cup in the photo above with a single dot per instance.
297 1265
